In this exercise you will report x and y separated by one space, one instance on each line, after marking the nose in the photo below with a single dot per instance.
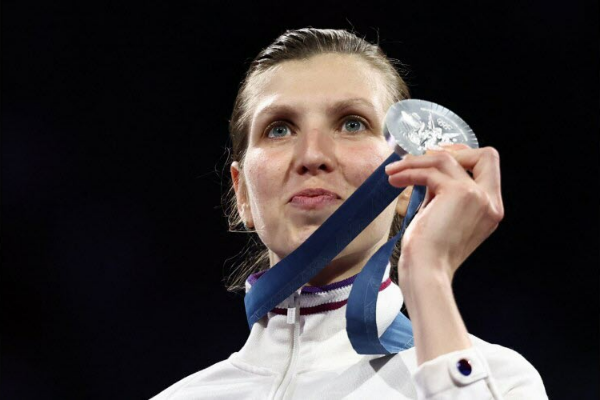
315 153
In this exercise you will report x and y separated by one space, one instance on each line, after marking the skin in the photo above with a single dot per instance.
458 214
313 147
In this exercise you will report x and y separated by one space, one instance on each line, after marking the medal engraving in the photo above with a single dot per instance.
416 126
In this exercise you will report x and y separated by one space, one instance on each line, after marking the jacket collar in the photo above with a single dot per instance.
322 342
319 299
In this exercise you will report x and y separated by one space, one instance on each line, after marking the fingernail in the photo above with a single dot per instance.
391 165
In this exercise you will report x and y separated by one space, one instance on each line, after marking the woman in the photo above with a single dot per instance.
307 131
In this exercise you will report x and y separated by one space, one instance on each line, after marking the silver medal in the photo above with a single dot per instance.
415 126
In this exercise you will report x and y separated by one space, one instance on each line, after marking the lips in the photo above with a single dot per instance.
314 198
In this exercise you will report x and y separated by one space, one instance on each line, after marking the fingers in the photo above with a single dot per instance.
430 177
450 164
441 160
485 165
444 148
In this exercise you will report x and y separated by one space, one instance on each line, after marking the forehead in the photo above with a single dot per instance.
323 80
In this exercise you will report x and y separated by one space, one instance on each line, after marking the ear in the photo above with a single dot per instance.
241 194
403 199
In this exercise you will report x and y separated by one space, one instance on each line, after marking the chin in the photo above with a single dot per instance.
304 233
294 239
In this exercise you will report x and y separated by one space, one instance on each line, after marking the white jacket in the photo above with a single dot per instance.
309 356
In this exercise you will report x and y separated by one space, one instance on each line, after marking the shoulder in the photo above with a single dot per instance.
191 380
220 379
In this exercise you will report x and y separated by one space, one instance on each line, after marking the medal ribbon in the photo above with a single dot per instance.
361 323
354 215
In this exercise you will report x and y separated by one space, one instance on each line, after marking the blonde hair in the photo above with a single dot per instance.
300 44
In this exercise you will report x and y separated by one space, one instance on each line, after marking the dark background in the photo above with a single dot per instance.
114 128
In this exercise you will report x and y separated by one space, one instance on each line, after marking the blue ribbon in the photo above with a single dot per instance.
361 323
300 266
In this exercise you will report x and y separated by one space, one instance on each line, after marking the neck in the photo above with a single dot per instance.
342 267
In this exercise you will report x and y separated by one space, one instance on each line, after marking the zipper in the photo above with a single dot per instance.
293 318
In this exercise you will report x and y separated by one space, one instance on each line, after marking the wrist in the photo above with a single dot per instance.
437 324
418 269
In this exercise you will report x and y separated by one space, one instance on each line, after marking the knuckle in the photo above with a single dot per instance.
473 195
405 176
443 158
499 216
446 157
492 212
496 214
491 152
470 192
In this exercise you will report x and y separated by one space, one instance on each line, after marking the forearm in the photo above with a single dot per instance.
438 327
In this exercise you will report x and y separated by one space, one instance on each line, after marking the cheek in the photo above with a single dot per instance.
263 179
361 161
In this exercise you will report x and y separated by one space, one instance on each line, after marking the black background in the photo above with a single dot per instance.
114 128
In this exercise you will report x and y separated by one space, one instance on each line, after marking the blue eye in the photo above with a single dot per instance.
354 125
278 131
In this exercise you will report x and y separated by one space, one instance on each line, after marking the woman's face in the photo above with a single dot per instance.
315 136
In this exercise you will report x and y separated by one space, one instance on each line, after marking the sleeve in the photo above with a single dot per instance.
502 374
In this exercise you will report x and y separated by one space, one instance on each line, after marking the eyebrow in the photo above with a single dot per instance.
334 108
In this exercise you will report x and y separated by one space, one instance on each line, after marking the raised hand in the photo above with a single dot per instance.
459 211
